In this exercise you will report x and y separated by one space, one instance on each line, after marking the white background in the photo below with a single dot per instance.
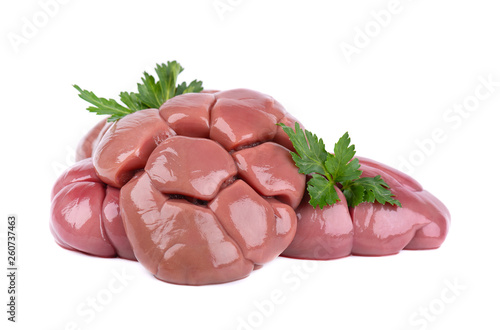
391 94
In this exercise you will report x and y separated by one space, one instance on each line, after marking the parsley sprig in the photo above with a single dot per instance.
339 169
150 93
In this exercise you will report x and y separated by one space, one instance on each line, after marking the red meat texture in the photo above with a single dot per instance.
371 229
204 190
200 191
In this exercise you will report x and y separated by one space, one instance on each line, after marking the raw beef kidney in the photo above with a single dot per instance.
204 190
371 229
206 184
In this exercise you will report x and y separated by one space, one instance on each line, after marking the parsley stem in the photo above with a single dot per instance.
327 174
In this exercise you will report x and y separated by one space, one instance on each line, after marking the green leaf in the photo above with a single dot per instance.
338 169
167 75
376 189
310 155
194 86
132 101
353 193
322 191
150 93
341 164
103 106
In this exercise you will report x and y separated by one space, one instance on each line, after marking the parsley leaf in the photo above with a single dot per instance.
341 164
311 153
339 169
151 93
322 191
103 106
194 86
132 101
375 189
354 193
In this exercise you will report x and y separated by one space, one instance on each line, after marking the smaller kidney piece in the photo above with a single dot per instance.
371 229
85 214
